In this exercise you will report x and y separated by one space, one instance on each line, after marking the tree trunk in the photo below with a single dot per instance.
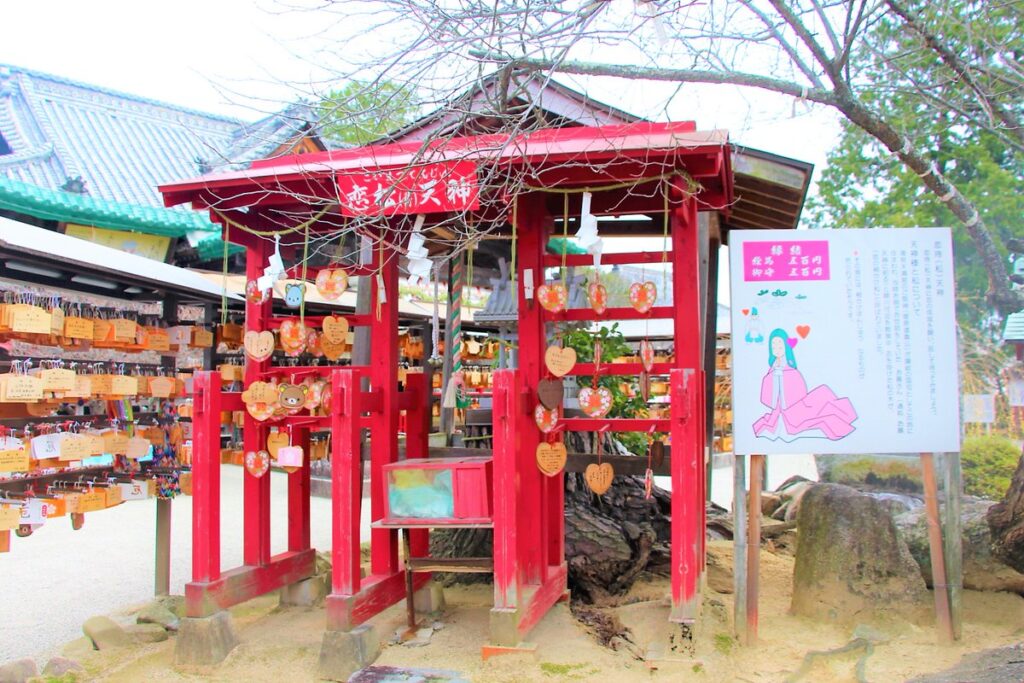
1006 522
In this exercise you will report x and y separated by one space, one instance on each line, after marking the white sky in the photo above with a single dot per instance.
236 57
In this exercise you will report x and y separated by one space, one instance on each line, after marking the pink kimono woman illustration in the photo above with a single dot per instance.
796 413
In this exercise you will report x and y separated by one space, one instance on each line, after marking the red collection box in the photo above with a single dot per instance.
439 491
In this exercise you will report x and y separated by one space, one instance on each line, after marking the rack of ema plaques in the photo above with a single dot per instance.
657 169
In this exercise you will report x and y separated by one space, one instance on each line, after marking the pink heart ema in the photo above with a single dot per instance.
792 342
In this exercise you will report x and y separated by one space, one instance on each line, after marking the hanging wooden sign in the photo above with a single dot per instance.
595 402
559 361
276 441
27 319
553 297
545 419
78 328
259 346
551 457
293 336
257 463
335 329
290 458
56 321
642 295
599 477
550 392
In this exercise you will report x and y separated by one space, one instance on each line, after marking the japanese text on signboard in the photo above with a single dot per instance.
785 260
431 188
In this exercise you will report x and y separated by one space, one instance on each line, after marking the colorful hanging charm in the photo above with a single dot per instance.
598 475
595 402
331 283
294 294
598 295
553 297
255 295
647 354
642 295
257 463
550 392
546 419
293 336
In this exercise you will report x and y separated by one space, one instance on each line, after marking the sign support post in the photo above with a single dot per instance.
754 543
739 548
939 585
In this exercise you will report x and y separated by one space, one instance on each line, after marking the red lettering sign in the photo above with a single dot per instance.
430 188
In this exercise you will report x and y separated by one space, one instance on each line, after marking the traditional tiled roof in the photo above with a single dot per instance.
122 146
1014 330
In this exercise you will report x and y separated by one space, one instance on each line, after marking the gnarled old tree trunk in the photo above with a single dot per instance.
1006 522
609 540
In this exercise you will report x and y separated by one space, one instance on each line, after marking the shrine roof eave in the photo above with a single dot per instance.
658 145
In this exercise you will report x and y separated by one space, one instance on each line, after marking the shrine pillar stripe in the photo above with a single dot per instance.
417 429
686 386
346 482
456 281
298 496
384 424
533 511
206 478
256 490
508 426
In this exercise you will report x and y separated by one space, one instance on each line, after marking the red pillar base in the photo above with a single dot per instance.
245 583
510 625
376 594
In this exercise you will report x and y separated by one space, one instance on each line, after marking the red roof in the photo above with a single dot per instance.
637 150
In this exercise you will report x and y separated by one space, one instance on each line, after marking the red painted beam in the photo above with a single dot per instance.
610 314
619 369
206 477
577 260
344 612
613 424
245 583
231 400
541 598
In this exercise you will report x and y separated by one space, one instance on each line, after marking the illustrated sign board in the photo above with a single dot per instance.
844 341
140 244
980 408
430 188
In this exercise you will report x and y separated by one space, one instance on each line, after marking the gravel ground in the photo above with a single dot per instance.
54 580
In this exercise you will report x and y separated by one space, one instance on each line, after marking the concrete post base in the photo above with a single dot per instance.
345 652
306 593
204 641
429 599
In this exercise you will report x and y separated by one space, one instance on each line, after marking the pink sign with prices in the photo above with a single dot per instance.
785 260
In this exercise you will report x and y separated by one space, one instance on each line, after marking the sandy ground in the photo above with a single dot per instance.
283 643
54 580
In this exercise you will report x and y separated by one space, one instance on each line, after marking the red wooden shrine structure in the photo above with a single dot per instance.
645 169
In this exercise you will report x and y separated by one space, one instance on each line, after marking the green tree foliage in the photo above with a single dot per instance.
988 465
362 111
865 186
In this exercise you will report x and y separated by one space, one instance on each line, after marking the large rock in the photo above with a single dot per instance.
851 563
156 613
148 633
59 666
18 671
105 633
982 570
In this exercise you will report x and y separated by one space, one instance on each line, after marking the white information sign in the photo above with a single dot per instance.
844 341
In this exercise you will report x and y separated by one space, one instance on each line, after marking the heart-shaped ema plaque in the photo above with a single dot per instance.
293 336
647 354
545 419
259 346
331 283
335 329
595 402
598 295
553 297
559 361
275 442
551 458
642 296
599 477
549 393
257 463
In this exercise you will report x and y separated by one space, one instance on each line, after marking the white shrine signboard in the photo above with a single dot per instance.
844 341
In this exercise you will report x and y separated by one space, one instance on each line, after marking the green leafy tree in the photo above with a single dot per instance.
363 111
866 186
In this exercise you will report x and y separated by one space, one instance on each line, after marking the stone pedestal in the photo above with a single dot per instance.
345 652
204 641
429 599
306 593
